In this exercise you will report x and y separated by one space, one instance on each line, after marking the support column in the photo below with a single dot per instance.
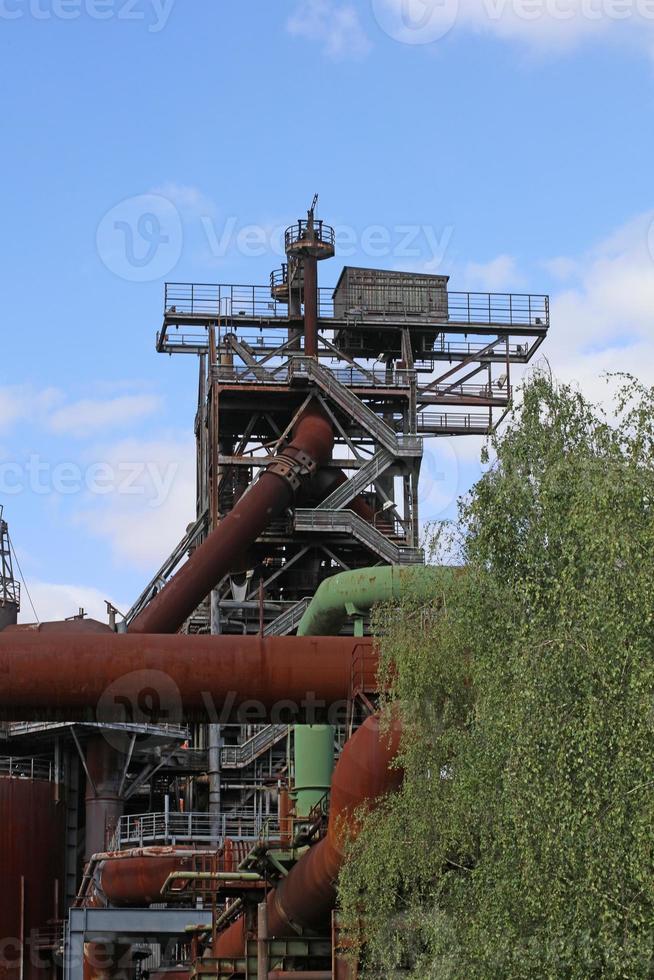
310 305
215 742
104 805
262 941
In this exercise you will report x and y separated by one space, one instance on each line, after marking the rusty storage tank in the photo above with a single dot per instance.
31 875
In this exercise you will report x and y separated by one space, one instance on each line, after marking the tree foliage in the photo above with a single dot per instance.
522 842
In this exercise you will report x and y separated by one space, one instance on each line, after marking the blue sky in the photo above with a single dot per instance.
515 142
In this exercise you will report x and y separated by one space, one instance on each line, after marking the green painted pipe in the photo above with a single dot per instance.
354 593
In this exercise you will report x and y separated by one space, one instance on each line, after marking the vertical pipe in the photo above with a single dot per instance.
22 928
262 941
310 305
215 743
285 819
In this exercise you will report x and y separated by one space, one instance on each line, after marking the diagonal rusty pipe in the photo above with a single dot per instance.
267 498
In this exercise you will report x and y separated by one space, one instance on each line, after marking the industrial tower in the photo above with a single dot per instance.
203 846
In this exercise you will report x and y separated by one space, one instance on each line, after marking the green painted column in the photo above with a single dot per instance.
313 756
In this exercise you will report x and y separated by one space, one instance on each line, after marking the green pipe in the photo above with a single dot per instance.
355 593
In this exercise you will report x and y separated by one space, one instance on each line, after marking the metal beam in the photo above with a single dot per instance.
97 925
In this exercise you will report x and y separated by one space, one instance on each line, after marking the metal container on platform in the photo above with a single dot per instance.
385 294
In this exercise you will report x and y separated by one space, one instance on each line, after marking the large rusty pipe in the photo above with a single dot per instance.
68 677
266 499
303 900
364 773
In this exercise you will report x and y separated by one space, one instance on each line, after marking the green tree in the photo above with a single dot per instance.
522 843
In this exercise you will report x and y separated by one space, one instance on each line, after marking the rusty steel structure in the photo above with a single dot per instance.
9 587
195 768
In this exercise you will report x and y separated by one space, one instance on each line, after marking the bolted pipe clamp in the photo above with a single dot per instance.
292 468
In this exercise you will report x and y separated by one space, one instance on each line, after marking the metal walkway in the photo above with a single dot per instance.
347 522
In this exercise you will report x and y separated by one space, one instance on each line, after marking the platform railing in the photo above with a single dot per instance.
459 422
139 830
351 377
27 768
248 302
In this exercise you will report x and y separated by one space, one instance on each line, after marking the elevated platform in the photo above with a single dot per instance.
190 308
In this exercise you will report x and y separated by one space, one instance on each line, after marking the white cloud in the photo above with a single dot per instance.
22 402
144 511
544 25
602 316
56 601
603 320
85 417
494 276
336 26
187 199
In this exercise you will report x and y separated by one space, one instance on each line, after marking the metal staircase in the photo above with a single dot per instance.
347 522
287 621
398 445
356 484
238 756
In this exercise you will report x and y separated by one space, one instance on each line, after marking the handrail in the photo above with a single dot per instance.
347 522
247 301
237 756
286 622
362 478
399 445
27 768
138 830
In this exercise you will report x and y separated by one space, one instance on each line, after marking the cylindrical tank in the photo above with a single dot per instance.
314 764
31 872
